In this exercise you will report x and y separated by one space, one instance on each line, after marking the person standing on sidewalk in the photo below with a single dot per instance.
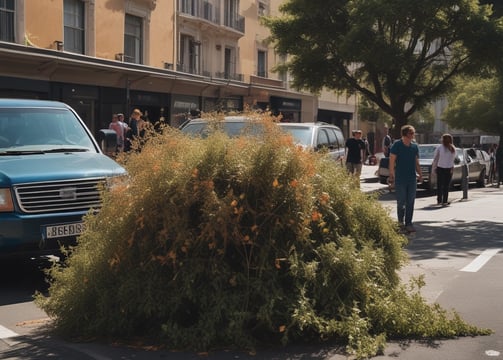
116 126
443 166
355 154
403 171
386 143
499 163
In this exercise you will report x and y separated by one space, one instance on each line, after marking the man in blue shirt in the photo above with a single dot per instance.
403 171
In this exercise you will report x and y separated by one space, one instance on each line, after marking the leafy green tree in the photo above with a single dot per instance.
370 111
423 120
399 54
476 104
497 6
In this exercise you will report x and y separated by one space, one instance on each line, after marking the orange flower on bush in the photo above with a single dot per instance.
315 216
209 184
275 183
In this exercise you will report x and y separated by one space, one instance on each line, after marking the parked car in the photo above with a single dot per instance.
231 125
313 135
476 169
318 136
51 173
480 155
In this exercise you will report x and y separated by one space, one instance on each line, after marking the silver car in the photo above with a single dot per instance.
318 136
476 170
310 135
233 126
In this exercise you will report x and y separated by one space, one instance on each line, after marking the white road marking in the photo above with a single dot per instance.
492 353
6 333
480 260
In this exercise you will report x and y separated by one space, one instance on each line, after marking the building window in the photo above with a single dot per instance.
188 7
189 55
231 13
262 63
133 40
7 20
74 26
229 63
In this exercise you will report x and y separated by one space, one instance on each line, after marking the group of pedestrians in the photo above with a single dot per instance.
405 172
127 131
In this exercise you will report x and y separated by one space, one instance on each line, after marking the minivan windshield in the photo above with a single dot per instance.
233 128
42 130
301 135
427 151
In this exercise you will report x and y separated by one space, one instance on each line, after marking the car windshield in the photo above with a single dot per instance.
42 129
460 155
427 151
231 128
301 134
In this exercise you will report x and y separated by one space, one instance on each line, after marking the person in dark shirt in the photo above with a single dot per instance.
499 164
386 143
355 154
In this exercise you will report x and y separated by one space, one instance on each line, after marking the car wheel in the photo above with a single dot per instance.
481 182
383 180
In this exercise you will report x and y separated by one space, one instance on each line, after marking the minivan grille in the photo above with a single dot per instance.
425 170
68 195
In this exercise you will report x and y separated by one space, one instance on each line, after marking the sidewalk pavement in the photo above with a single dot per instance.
369 181
369 173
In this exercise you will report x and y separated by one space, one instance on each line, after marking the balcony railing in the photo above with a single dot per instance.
202 9
188 69
229 76
236 23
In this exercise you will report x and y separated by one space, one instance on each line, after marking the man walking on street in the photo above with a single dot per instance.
403 169
355 153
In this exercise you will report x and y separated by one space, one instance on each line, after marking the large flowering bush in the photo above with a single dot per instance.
239 242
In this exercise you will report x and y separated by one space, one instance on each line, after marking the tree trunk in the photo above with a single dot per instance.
398 122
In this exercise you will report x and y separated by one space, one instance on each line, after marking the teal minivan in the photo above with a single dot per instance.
51 174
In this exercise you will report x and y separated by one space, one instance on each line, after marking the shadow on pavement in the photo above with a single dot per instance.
456 238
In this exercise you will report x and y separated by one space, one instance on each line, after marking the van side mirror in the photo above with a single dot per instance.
107 139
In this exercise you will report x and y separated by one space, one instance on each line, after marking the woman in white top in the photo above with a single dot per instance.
443 165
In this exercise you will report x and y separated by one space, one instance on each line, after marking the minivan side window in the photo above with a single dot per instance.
332 139
323 141
341 144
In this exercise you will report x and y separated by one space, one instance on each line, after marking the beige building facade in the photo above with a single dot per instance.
169 58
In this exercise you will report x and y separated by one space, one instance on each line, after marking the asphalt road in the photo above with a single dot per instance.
459 250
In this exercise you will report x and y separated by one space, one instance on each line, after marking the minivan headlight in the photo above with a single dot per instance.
6 204
118 181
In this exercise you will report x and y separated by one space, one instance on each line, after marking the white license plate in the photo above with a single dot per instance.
64 230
